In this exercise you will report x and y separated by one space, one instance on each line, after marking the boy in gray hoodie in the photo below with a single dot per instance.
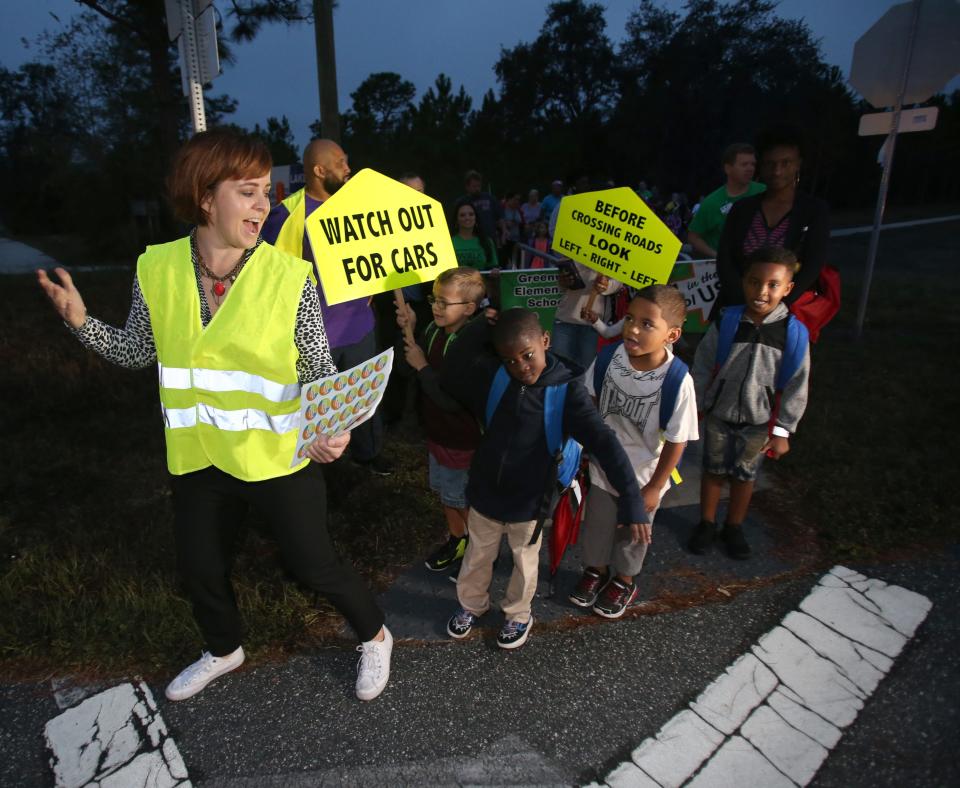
746 416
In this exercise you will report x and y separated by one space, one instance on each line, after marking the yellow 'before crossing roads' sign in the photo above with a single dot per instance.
616 233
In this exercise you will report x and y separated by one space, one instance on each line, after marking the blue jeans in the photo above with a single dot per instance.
575 343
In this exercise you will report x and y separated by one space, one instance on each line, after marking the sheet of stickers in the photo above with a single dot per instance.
340 402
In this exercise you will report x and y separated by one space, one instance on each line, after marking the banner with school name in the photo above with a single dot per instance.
616 233
536 289
375 235
699 284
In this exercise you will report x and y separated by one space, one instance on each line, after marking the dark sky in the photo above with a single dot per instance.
276 74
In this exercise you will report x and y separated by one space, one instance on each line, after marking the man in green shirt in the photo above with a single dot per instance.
739 164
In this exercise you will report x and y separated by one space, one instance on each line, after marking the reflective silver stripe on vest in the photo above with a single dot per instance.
247 419
227 380
173 377
175 418
230 420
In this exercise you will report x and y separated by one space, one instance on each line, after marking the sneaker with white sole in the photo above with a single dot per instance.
195 677
373 670
615 598
514 633
461 623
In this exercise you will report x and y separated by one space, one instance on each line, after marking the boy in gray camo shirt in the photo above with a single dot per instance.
738 399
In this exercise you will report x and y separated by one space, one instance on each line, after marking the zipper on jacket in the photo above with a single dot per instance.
755 342
503 457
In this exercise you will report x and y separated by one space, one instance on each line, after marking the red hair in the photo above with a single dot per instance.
206 160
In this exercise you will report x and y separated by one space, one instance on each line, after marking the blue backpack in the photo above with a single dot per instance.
669 391
798 338
566 452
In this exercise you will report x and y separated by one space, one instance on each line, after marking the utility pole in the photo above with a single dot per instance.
326 68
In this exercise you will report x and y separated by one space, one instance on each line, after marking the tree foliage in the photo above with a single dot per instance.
101 112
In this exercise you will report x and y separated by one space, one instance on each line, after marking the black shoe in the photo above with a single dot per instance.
377 466
615 599
703 538
588 589
447 554
514 634
461 623
735 542
454 575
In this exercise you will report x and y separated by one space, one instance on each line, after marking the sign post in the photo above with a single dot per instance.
193 25
926 47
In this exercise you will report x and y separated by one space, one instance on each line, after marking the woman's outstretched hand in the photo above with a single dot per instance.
65 297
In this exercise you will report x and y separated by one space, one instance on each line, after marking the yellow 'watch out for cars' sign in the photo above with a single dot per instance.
377 234
616 233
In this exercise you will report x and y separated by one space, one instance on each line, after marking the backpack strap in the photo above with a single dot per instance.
727 330
499 385
601 364
553 400
669 391
798 337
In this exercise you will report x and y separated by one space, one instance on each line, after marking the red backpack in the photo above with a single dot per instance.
817 307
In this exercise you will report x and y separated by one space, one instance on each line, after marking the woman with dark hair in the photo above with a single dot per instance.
781 216
230 397
470 243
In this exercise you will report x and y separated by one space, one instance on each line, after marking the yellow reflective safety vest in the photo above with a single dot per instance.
229 392
290 237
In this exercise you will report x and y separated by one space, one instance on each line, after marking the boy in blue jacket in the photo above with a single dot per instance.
513 467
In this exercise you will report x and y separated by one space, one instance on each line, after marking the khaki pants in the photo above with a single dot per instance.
476 572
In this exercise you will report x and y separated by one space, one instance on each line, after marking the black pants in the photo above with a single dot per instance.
209 506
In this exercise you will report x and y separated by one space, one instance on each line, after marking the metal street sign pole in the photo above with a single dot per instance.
885 177
192 63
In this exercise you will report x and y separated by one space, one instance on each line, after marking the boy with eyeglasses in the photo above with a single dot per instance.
452 433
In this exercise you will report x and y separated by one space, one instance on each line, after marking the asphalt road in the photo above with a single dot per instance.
563 710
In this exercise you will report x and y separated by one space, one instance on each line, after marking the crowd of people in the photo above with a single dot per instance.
236 321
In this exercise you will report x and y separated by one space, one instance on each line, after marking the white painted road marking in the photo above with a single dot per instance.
116 739
772 717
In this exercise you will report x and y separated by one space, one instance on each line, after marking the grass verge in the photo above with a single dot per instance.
87 580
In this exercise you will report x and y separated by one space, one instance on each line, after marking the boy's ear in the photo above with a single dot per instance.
788 288
546 340
674 334
471 308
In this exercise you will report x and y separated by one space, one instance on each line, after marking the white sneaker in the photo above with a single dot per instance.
194 678
374 668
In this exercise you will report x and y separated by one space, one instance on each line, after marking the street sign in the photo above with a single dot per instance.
919 119
880 56
175 18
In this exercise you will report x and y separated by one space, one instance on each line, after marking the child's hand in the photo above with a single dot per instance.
776 447
491 315
414 354
589 316
406 317
651 497
640 532
565 280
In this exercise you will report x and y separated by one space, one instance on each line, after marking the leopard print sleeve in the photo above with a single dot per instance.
132 346
310 337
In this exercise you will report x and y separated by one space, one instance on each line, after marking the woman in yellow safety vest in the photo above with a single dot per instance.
235 328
